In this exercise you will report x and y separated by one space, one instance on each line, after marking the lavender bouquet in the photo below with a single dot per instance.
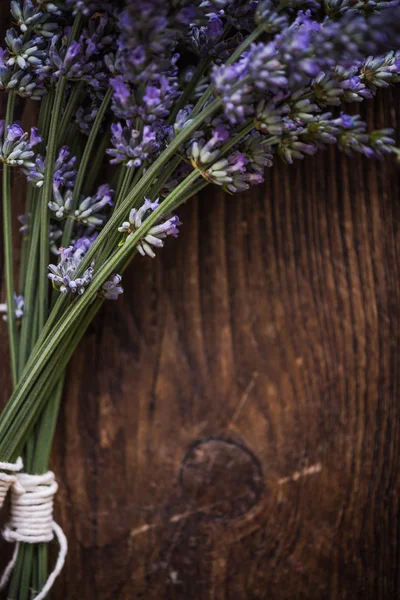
142 105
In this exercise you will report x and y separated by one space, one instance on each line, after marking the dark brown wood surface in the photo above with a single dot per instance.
231 427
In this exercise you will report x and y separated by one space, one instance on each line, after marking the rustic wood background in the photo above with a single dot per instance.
231 427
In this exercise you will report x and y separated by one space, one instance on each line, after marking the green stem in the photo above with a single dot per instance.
32 194
8 251
97 163
30 292
30 572
25 243
125 186
180 199
119 215
84 164
29 324
46 383
46 109
46 195
42 566
118 180
72 103
46 429
192 191
45 436
47 189
16 578
19 412
165 176
112 242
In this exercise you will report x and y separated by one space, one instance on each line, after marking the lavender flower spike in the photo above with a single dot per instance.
64 172
112 289
155 236
91 209
17 148
63 274
61 204
132 147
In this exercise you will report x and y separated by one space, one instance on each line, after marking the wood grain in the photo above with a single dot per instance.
230 429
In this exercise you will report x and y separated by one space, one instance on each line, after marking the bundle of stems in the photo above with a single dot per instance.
53 327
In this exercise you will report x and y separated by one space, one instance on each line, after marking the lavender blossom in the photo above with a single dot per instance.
63 274
26 15
353 137
323 129
290 146
84 242
64 173
208 40
24 55
342 85
231 173
239 170
62 202
269 118
131 146
76 60
202 153
24 83
154 103
155 236
158 98
17 147
147 41
381 71
52 7
298 54
241 13
272 20
111 289
91 209
257 150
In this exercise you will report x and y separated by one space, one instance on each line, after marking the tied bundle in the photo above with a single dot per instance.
142 105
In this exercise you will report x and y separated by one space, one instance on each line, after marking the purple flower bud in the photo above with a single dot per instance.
14 132
346 121
121 90
35 138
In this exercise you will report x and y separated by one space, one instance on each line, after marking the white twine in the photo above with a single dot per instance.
32 522
8 479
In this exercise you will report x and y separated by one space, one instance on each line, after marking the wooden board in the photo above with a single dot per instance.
231 427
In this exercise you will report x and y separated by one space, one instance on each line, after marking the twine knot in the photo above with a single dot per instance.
31 522
9 478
